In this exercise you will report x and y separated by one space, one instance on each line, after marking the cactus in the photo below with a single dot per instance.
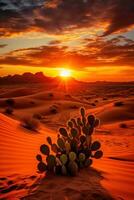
63 159
82 111
98 154
82 157
95 146
67 147
73 168
88 162
61 143
49 140
72 156
74 132
63 132
91 120
64 170
74 145
39 157
70 124
51 161
44 149
42 167
74 122
79 122
54 148
74 148
82 139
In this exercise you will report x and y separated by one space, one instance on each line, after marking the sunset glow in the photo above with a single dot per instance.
89 37
65 73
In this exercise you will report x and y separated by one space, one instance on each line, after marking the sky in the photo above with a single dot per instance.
94 39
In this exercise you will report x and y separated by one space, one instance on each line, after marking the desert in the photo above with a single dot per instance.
111 177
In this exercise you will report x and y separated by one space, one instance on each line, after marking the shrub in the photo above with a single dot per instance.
9 111
93 104
123 125
10 102
96 101
51 95
53 109
37 116
74 148
30 124
104 99
118 103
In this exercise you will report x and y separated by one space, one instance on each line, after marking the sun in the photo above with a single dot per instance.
65 73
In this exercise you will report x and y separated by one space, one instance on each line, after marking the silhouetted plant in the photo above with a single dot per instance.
10 102
123 125
74 148
53 109
118 103
93 104
30 123
37 116
9 111
51 95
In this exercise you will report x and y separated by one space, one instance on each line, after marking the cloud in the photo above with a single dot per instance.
61 16
95 53
121 16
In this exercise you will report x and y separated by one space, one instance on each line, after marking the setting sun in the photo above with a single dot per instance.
65 73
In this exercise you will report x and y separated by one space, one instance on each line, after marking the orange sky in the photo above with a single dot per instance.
94 39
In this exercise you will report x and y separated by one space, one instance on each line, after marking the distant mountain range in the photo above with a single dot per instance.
29 78
39 77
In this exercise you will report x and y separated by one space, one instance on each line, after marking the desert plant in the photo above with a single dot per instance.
118 103
51 94
9 111
123 125
30 123
37 116
74 148
10 102
53 109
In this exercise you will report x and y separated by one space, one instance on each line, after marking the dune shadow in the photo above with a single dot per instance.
85 186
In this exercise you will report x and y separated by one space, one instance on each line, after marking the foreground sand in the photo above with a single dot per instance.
110 177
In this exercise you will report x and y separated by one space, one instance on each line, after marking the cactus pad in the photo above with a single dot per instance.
61 143
73 168
72 156
63 132
63 158
74 132
44 149
98 154
95 146
39 157
42 167
49 140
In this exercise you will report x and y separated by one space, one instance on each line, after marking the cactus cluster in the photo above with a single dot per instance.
74 148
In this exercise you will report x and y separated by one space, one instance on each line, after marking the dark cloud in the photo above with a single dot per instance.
121 16
60 16
96 53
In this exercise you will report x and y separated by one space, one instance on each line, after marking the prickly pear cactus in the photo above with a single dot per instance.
74 148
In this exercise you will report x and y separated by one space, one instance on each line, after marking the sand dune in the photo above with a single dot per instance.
110 177
18 148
